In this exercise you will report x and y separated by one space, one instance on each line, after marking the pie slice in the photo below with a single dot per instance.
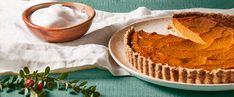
204 55
192 26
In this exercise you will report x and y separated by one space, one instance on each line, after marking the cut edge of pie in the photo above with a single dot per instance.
175 74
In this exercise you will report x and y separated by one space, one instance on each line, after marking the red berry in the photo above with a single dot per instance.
40 86
29 82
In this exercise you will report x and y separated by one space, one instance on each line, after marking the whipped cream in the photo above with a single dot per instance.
57 16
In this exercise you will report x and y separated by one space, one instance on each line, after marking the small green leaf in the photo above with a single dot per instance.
12 79
49 79
21 73
47 70
41 94
63 76
74 81
83 91
96 94
76 89
73 92
92 88
62 86
17 79
51 85
83 83
21 92
19 82
26 70
12 86
9 90
35 73
6 80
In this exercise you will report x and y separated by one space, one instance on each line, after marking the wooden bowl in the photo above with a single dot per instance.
63 34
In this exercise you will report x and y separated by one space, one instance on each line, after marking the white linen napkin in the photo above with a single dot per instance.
20 48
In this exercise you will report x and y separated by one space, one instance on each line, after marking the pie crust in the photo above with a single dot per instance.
177 74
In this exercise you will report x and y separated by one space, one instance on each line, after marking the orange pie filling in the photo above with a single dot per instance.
217 53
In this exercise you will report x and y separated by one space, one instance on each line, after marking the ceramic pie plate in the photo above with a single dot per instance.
159 25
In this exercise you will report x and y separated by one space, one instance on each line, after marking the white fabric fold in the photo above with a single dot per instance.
20 48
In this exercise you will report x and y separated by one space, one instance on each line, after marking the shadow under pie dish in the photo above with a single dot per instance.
182 59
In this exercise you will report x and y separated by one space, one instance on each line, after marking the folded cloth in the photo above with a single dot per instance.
20 48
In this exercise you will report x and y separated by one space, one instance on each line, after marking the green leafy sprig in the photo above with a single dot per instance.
37 84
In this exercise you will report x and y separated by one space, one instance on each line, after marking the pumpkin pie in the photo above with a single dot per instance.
202 54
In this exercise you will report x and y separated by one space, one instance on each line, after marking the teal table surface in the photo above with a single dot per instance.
110 86
128 5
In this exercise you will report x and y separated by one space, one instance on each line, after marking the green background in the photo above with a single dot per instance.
128 5
111 86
